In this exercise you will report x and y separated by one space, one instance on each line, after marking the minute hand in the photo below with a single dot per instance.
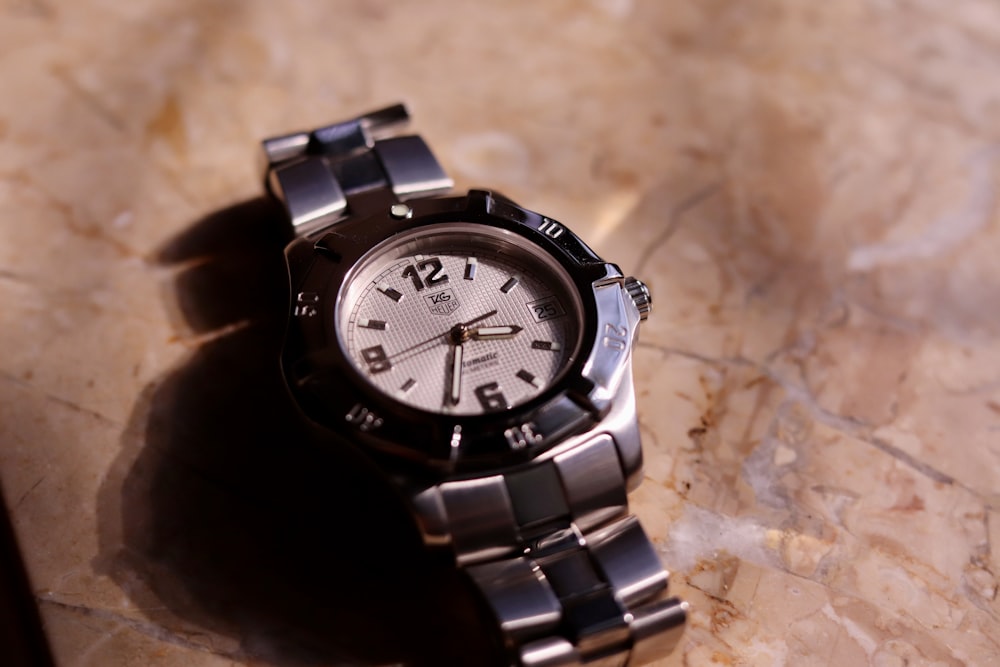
495 333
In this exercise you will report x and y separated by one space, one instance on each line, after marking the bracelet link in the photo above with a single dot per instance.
584 599
315 174
339 140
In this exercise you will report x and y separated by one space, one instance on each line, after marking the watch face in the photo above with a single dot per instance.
460 319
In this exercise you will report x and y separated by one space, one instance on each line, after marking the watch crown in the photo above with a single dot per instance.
641 297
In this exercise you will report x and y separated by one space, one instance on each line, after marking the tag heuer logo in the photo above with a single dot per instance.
442 303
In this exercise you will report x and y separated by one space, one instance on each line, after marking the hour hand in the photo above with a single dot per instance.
495 333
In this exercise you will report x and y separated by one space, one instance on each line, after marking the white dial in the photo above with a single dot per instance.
460 319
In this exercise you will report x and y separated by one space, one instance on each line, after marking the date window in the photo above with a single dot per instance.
546 309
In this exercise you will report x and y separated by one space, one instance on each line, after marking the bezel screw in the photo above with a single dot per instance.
400 211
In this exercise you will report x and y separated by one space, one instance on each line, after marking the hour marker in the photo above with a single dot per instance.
407 386
471 264
389 292
529 378
372 324
455 395
545 345
509 285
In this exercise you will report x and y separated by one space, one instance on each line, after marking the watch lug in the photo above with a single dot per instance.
429 510
478 201
299 254
623 425
607 274
617 329
485 201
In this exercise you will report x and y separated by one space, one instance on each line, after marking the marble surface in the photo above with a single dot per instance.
810 189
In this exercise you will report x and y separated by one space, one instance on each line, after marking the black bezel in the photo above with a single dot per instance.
332 392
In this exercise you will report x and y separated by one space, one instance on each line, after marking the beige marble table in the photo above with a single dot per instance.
810 189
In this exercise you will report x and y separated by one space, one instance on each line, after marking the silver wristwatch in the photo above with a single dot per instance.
480 354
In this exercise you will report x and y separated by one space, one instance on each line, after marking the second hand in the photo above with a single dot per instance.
458 327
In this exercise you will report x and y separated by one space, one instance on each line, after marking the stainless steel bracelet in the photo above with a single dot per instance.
315 173
570 577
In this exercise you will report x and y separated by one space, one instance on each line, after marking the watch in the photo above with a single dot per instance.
480 354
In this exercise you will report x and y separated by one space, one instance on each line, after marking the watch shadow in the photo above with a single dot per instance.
237 527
